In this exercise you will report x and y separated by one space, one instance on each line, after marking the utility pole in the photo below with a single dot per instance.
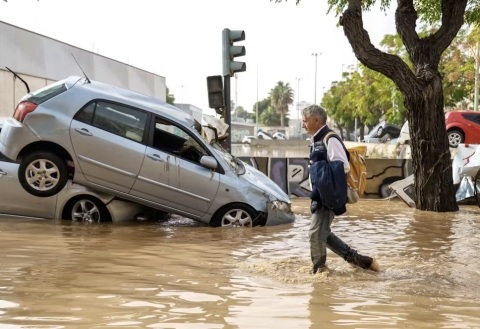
316 55
256 110
236 94
475 102
298 104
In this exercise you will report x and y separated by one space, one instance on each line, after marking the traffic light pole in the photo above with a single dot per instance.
228 112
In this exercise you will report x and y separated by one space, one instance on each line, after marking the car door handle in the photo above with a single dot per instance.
83 131
2 172
155 157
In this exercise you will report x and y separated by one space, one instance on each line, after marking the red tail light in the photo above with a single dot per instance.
23 109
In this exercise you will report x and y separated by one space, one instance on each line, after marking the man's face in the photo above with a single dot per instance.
311 124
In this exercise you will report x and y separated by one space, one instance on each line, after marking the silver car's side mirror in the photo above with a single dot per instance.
209 161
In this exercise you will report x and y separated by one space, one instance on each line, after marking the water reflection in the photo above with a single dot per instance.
188 275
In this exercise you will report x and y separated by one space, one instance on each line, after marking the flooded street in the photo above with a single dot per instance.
187 275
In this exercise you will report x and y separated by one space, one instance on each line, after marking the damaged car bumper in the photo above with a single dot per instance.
279 212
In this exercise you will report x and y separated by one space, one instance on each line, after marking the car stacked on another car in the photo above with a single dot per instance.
74 202
136 148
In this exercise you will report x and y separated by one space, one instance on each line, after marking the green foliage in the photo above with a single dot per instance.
170 97
262 106
370 96
281 96
270 117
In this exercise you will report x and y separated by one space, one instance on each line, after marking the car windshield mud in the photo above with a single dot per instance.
233 162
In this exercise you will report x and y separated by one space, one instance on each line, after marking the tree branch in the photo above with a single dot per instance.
453 13
389 65
405 22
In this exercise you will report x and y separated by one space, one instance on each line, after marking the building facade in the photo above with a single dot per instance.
41 60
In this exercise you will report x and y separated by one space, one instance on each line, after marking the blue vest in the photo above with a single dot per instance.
319 145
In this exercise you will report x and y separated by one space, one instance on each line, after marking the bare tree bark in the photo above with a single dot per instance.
422 92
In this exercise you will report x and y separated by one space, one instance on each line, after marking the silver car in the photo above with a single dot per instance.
74 202
137 148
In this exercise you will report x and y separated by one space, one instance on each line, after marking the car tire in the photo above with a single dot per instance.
236 215
379 131
88 209
455 137
50 167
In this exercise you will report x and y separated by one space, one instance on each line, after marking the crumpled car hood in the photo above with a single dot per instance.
259 179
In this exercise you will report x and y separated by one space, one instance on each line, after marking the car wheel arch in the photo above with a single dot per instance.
70 203
45 146
259 220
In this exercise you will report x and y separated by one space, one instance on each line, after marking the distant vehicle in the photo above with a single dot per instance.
462 127
264 135
248 139
382 133
279 135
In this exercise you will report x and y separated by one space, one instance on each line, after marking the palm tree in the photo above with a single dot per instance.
282 96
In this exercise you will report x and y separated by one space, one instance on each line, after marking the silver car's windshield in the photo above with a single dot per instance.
233 162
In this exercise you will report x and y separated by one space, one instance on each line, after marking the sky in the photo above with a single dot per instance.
181 40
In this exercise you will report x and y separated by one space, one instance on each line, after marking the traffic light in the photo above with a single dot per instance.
229 51
216 98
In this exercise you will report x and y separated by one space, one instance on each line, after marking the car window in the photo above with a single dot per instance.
475 118
177 141
117 119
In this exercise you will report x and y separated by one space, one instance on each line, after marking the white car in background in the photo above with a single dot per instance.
248 139
265 135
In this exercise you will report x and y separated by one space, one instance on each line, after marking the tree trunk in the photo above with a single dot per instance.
362 131
431 159
282 119
421 89
340 129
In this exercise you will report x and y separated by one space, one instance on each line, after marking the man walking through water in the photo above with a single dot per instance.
314 120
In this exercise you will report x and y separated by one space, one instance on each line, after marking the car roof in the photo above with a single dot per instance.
132 98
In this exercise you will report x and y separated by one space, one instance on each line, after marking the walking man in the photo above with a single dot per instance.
314 120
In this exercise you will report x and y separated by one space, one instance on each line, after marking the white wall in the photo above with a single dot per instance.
40 60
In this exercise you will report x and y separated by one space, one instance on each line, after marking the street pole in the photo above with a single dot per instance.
298 105
228 111
475 102
236 94
316 55
256 110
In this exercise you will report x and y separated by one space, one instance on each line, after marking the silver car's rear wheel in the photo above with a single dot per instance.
43 173
236 215
89 210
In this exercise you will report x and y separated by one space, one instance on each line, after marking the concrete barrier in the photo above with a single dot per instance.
291 174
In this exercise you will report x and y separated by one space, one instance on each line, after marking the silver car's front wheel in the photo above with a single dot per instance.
89 210
43 173
236 215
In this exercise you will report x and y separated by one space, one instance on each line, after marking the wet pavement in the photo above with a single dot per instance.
183 274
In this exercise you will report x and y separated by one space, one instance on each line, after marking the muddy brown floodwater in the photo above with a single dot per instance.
185 275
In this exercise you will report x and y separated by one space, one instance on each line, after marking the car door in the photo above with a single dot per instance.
191 186
13 198
109 143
